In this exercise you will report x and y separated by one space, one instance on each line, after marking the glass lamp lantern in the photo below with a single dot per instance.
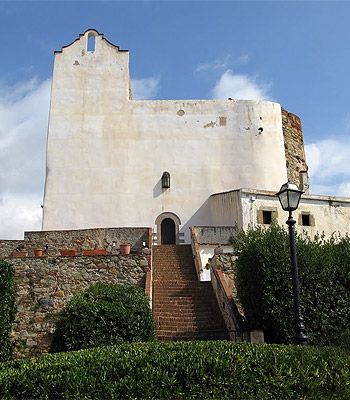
289 196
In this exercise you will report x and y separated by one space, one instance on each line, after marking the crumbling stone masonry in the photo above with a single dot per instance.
45 284
294 150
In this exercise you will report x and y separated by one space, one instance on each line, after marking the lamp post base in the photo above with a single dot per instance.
300 338
300 333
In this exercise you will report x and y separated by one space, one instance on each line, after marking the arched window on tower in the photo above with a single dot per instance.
166 180
91 43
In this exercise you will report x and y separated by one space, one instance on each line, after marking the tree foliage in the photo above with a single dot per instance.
264 284
104 314
7 308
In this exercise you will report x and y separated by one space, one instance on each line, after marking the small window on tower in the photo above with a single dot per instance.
267 217
91 42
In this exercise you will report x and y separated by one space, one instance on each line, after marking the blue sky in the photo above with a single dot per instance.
296 53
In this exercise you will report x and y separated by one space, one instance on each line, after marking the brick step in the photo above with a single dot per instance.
189 338
178 303
182 306
215 335
171 255
179 297
193 293
192 331
184 312
177 316
175 260
169 248
184 319
183 288
190 328
187 317
175 267
175 278
171 270
190 296
178 285
173 274
179 308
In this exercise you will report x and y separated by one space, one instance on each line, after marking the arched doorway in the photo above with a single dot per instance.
168 233
168 227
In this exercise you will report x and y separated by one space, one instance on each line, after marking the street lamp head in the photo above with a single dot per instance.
289 196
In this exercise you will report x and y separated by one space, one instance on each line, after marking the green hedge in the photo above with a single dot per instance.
7 308
264 284
182 370
104 314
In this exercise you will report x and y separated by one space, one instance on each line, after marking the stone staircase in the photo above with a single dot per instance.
183 307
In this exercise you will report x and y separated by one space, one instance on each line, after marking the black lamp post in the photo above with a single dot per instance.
289 197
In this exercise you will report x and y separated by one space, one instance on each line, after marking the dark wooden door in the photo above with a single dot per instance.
168 235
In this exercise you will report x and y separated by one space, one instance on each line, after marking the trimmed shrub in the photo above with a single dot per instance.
7 308
104 314
182 370
264 285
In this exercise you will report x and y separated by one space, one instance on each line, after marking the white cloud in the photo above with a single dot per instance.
218 63
239 87
23 127
223 63
18 214
146 88
329 167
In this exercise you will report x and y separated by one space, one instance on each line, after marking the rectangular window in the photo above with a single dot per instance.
267 217
305 220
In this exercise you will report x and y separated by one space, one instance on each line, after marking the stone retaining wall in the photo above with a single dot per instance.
45 284
83 239
9 246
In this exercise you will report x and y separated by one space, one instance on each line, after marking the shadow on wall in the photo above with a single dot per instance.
157 190
201 217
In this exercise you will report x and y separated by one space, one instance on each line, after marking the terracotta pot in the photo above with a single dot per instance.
95 252
68 252
38 252
22 253
125 248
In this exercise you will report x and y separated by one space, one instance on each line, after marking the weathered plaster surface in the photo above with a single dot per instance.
107 153
329 214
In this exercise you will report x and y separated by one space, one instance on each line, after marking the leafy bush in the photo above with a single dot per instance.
182 370
7 308
264 284
104 314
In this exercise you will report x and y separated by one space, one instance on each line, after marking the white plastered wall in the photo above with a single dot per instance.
328 214
106 153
